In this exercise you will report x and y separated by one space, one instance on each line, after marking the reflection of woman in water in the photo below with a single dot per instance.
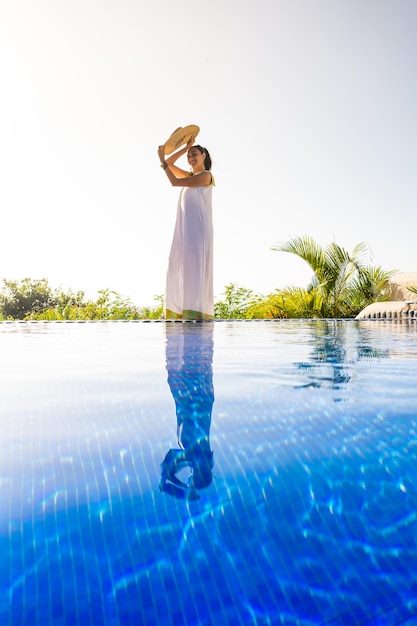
189 358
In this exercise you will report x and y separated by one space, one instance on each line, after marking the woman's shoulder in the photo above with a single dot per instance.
211 183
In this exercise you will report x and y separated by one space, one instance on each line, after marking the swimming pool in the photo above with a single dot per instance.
302 504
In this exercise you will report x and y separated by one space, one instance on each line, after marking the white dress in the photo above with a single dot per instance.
189 286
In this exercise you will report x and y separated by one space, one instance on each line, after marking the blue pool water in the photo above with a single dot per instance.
291 498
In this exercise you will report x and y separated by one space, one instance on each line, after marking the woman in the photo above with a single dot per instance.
189 287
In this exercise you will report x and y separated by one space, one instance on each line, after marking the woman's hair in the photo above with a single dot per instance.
207 160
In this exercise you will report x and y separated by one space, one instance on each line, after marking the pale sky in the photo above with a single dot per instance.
308 108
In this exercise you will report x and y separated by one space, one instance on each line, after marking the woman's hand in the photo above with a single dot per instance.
190 143
161 153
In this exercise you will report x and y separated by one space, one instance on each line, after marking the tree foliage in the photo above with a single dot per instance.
236 304
342 284
17 299
30 299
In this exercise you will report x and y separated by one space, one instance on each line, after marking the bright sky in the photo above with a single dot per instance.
308 108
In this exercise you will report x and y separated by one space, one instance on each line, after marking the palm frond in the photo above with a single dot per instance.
304 247
345 282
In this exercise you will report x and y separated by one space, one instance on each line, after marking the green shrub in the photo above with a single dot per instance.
236 304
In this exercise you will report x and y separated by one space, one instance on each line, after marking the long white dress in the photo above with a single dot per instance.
189 286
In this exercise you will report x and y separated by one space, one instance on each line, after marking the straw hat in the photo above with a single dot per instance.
180 136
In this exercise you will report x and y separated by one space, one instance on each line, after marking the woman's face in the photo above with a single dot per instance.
196 158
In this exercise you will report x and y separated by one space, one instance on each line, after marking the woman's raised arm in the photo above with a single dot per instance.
178 172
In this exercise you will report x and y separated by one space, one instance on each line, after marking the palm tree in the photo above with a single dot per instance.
342 283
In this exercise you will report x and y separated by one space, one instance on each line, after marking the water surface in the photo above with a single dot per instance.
306 512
